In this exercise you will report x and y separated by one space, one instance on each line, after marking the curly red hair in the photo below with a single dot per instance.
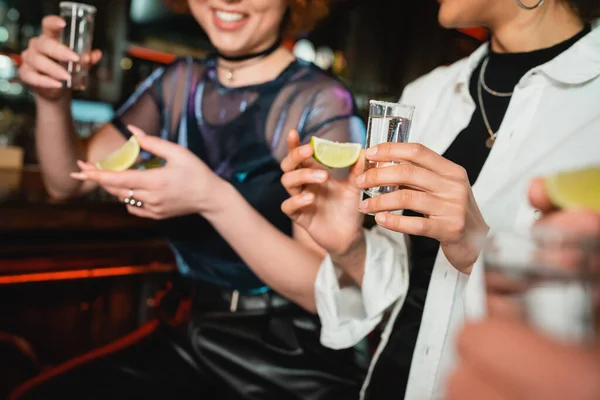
303 14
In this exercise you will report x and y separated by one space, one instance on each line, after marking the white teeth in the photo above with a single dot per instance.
229 16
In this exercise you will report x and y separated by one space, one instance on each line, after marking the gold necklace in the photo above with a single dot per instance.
489 142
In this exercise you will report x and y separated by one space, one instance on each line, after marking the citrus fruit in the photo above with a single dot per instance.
122 158
575 189
335 154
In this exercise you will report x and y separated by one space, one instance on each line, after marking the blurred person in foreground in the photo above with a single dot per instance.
522 105
244 330
503 359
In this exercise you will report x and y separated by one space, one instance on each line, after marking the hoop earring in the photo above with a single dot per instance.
529 8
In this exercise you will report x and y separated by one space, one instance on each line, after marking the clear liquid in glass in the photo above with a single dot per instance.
557 303
382 129
77 35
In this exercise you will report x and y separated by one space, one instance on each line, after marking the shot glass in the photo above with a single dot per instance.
546 279
77 35
388 122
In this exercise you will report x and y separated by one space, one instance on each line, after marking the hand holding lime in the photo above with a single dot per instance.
122 158
575 189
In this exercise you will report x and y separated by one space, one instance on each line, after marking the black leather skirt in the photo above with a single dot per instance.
211 344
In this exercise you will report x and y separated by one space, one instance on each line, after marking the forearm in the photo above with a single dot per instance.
58 146
349 313
352 262
280 261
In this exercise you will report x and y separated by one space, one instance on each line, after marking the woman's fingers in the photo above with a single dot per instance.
407 199
408 225
293 140
141 212
52 25
123 193
296 157
404 174
35 79
358 168
44 65
52 48
293 206
415 153
294 181
95 57
538 196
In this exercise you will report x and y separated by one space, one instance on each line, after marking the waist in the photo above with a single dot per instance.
208 298
188 298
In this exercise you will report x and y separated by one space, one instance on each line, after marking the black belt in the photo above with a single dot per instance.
208 298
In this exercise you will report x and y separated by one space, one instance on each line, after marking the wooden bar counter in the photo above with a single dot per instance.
74 275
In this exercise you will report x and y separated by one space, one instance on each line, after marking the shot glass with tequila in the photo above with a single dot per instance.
546 279
77 35
388 122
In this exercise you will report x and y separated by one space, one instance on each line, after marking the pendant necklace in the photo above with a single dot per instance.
489 143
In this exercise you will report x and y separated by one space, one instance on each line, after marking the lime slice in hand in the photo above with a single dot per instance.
575 189
334 154
122 158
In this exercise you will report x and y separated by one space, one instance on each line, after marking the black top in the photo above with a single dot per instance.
503 72
240 133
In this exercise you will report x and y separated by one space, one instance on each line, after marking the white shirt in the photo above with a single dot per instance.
552 124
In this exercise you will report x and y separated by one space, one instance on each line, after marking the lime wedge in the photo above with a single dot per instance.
575 189
122 158
334 154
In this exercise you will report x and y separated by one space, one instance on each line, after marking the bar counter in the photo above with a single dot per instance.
76 274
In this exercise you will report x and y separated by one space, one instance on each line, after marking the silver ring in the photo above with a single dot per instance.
130 200
529 8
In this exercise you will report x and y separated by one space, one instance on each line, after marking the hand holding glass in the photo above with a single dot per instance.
77 35
388 122
548 279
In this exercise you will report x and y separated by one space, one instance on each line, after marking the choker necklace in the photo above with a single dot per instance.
258 56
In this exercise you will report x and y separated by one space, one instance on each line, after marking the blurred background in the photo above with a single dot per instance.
76 275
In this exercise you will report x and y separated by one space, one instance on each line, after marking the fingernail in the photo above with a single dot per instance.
74 57
370 152
133 130
305 151
137 132
380 218
306 198
78 175
320 175
361 179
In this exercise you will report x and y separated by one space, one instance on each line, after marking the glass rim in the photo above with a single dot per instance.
72 4
391 104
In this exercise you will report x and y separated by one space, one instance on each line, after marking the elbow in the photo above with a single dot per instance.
58 192
58 195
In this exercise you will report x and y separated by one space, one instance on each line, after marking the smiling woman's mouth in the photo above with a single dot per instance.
229 20
227 16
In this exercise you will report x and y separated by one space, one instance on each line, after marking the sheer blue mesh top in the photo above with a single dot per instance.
240 133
